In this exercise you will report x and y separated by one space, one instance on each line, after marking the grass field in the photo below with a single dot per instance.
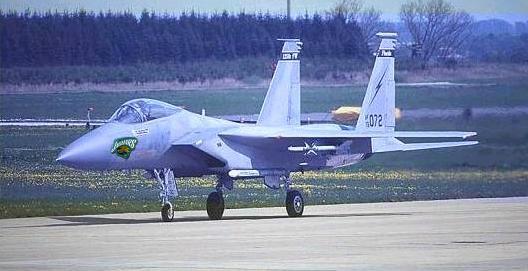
245 101
32 184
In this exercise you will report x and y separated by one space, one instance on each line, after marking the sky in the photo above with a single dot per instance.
509 10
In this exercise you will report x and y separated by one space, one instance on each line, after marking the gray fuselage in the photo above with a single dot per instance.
191 145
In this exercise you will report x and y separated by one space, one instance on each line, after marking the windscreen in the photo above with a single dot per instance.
141 110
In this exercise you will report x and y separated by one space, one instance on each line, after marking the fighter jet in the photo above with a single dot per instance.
169 142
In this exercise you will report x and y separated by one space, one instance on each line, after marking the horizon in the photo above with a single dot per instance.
511 11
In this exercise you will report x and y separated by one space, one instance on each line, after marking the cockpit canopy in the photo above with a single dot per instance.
141 110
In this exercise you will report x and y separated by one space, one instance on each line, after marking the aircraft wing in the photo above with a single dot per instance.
296 139
306 118
308 133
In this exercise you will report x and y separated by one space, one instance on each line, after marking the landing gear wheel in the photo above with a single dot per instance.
215 206
167 212
294 203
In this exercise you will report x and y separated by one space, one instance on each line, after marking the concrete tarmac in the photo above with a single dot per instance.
479 234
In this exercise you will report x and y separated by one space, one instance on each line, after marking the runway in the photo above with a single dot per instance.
479 234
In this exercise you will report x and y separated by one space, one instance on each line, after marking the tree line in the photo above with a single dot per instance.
79 47
115 38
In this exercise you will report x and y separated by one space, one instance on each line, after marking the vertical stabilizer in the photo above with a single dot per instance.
282 105
377 110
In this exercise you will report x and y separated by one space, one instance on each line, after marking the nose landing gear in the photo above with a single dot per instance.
167 212
169 190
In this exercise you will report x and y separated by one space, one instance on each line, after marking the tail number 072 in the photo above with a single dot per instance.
374 120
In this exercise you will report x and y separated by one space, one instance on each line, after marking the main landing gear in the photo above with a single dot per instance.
215 200
215 205
294 200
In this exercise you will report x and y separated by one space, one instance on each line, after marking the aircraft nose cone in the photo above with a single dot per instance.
88 152
68 156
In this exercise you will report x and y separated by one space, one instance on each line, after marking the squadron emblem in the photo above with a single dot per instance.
124 146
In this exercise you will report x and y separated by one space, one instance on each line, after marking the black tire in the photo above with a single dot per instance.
215 206
167 212
294 203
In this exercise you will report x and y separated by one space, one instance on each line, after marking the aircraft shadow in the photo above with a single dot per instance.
92 220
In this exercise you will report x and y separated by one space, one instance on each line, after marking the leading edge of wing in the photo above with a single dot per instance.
272 132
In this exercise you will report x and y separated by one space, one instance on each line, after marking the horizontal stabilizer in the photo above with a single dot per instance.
433 134
425 146
396 145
